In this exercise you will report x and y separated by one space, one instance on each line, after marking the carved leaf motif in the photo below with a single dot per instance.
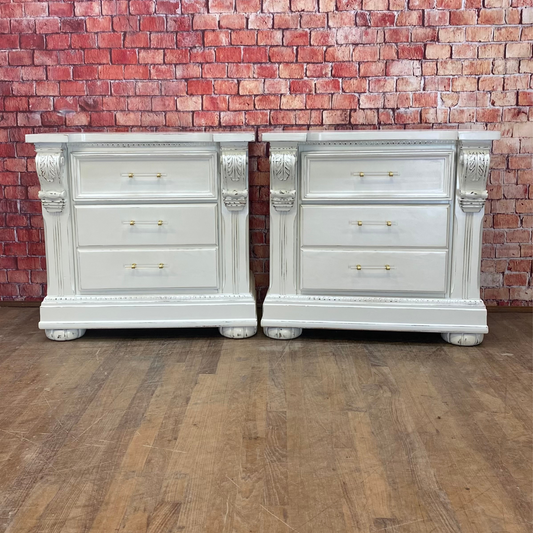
282 166
477 164
234 166
48 166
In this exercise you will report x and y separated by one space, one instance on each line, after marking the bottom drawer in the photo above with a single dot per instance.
366 271
180 269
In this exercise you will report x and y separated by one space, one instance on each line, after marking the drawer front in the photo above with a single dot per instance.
410 271
348 175
150 225
182 269
144 176
379 226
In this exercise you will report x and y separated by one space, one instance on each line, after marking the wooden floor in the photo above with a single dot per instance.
165 431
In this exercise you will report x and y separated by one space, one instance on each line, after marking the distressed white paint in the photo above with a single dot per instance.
430 186
145 230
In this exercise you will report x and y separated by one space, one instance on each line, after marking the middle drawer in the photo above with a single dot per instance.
375 225
151 225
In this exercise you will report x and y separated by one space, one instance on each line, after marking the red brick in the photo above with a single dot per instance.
255 55
244 37
229 55
382 19
310 54
291 70
491 16
437 18
463 17
506 221
411 51
372 69
296 38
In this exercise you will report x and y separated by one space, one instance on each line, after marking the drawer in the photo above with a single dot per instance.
376 225
389 175
182 269
337 270
144 176
155 225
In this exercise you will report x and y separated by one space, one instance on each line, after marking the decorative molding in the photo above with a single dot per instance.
234 200
233 169
49 164
282 200
380 143
354 300
140 298
473 170
136 145
283 174
53 201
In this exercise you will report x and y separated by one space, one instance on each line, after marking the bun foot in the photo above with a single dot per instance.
463 339
238 332
64 334
282 333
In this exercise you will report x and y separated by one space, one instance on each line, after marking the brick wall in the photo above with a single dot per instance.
261 64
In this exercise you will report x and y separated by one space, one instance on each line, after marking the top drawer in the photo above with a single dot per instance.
370 175
144 176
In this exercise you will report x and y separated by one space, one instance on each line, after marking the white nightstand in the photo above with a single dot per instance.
145 231
377 230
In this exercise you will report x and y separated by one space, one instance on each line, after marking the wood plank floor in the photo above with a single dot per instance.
182 430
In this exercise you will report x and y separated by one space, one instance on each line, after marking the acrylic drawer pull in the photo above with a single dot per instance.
132 175
143 222
375 174
135 266
372 223
360 267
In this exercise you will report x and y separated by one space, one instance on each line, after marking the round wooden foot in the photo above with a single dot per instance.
64 334
238 332
282 333
463 339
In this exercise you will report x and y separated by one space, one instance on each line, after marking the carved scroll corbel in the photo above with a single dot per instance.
283 177
473 171
234 178
49 164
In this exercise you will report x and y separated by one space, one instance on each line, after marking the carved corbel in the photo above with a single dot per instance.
283 177
473 170
50 163
234 178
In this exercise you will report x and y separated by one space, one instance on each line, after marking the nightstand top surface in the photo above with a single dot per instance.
134 137
380 135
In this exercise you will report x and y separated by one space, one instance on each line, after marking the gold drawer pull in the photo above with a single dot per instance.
151 175
390 174
360 267
388 223
136 266
144 222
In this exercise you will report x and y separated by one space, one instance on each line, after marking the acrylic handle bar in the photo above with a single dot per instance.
137 266
370 223
143 222
360 267
132 175
375 174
